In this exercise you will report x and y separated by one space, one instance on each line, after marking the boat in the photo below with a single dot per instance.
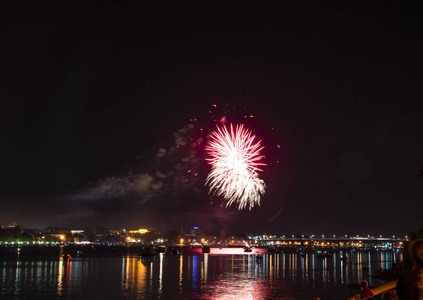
323 254
248 249
147 251
161 248
205 249
345 258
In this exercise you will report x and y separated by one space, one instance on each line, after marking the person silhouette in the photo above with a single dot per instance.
365 292
410 282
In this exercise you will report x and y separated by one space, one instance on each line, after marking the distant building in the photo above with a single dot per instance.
10 225
193 232
77 231
59 236
116 231
140 231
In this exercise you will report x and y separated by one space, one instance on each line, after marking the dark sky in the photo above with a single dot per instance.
96 102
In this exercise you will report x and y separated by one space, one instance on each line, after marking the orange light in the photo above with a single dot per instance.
141 231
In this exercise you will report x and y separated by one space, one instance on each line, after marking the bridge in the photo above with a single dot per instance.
328 241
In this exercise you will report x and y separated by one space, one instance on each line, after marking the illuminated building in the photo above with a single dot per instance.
140 231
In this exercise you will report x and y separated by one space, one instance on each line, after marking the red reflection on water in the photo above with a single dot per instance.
244 278
227 250
236 288
236 251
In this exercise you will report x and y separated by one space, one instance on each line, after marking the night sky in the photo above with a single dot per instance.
98 101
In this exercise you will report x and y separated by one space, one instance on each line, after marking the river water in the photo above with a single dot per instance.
191 276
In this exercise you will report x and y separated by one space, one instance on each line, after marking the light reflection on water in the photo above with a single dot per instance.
193 276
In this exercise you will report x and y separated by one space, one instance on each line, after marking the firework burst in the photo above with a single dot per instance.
235 160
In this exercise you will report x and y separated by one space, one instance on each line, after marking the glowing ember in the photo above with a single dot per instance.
235 160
